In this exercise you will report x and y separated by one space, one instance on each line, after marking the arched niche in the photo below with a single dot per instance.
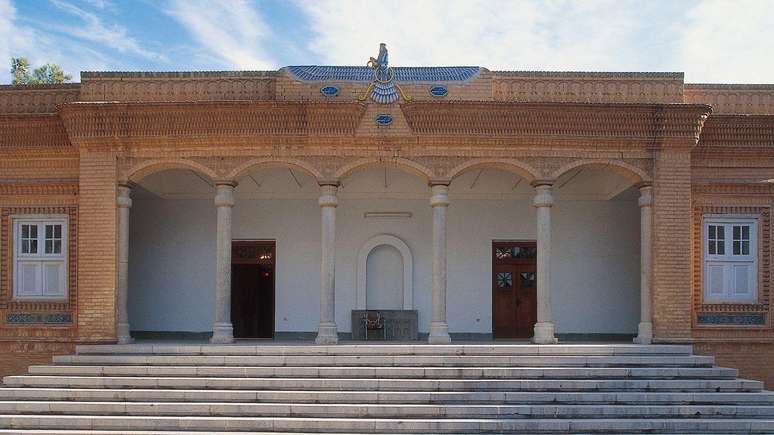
362 269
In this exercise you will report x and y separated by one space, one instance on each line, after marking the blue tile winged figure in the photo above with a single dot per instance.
383 89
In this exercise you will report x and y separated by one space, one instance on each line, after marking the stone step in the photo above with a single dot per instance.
727 385
392 360
353 410
393 372
372 425
390 397
385 349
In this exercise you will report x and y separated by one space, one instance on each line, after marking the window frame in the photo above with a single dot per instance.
729 221
41 257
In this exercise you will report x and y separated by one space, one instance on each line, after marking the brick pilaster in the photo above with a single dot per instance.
672 244
97 246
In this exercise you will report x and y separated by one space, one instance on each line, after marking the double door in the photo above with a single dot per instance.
514 290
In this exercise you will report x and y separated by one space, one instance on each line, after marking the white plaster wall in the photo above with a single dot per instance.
595 263
384 279
172 265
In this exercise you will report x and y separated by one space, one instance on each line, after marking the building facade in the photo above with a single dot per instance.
472 204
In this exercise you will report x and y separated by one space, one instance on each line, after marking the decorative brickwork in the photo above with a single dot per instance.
588 87
733 98
177 86
32 131
37 98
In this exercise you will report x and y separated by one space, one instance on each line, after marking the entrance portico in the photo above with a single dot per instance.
481 205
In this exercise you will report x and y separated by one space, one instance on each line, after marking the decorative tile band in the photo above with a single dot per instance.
39 318
366 74
731 319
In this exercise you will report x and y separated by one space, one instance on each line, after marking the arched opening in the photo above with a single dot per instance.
171 253
385 275
595 264
491 204
276 211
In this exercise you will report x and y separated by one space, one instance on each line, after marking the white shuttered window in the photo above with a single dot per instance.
730 259
40 257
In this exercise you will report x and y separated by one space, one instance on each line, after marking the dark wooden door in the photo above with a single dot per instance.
514 294
252 289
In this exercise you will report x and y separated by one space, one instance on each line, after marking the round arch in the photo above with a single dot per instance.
142 170
244 168
408 269
409 166
520 168
631 172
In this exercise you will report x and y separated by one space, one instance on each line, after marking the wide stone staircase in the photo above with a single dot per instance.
383 388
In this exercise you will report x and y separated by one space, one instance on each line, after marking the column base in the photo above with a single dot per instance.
222 333
544 333
439 333
644 333
327 333
124 337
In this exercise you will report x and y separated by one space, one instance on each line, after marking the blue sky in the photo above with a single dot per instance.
709 40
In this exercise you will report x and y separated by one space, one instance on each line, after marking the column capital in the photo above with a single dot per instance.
123 196
328 196
646 195
440 197
224 196
543 196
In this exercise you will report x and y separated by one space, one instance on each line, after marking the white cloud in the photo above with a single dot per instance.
12 39
233 32
95 30
729 41
559 34
711 40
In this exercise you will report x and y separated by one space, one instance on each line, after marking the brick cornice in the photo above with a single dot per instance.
112 122
32 131
744 131
660 124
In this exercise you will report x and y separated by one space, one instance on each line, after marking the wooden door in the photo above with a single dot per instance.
514 293
252 288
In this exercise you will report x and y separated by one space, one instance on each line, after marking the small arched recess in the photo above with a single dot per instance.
408 269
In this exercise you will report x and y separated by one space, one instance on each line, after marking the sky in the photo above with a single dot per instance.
711 41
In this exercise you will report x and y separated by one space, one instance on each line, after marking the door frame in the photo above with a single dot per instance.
492 284
237 260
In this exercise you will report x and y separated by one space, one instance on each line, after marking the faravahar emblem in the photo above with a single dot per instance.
383 89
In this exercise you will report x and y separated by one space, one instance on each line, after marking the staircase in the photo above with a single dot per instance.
380 388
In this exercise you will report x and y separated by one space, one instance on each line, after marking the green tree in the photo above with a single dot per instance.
49 73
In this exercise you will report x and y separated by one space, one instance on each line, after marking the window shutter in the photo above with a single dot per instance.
53 279
716 279
741 279
29 274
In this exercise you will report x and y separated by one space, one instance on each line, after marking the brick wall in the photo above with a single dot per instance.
672 245
18 355
96 314
753 360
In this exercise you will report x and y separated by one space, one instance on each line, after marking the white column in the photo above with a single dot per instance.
544 328
124 203
327 333
439 328
645 328
222 330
